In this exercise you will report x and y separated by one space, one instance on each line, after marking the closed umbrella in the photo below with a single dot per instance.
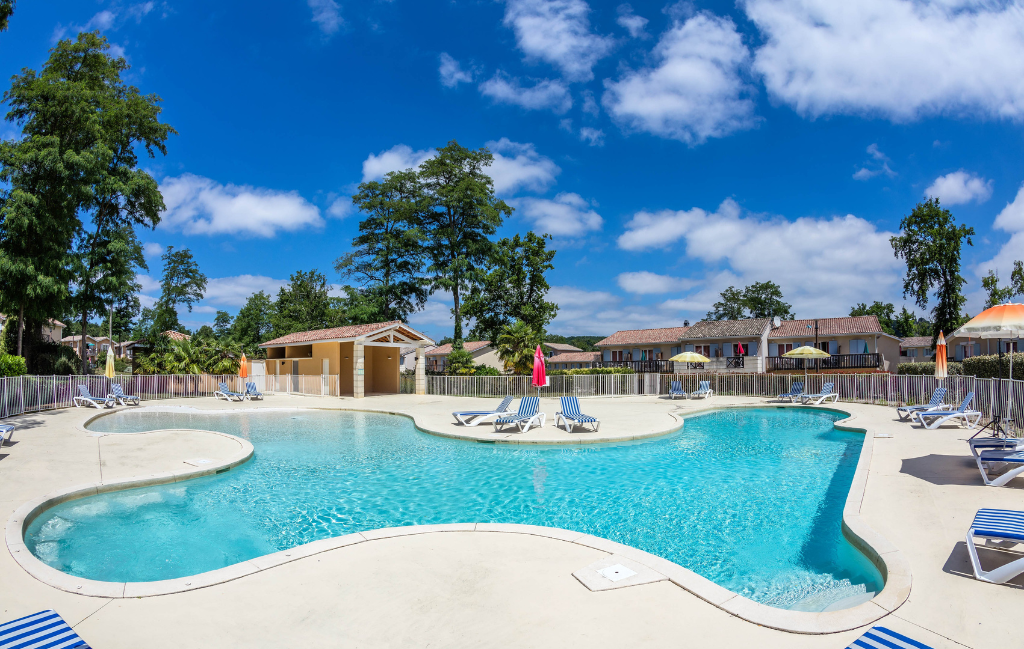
109 370
1003 321
940 358
540 376
243 369
807 352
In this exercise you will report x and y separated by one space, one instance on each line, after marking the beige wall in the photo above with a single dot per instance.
345 369
487 356
382 371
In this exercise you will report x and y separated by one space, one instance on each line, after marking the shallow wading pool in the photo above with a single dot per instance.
749 498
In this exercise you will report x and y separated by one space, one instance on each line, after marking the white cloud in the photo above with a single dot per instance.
150 290
900 59
546 94
830 263
695 91
234 291
327 15
873 169
152 249
519 167
558 32
600 312
398 158
197 205
102 21
106 20
590 104
592 136
340 207
566 215
451 72
631 22
960 187
647 283
1011 221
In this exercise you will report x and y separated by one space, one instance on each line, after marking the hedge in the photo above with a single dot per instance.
992 367
11 365
591 370
928 369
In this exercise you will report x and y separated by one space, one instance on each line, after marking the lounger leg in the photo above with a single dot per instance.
1002 479
1001 574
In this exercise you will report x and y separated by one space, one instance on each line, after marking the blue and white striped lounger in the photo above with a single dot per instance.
117 392
932 419
703 390
794 393
251 392
226 394
474 417
982 444
86 399
676 390
6 430
527 416
1003 528
827 392
879 637
571 415
1015 460
906 412
44 630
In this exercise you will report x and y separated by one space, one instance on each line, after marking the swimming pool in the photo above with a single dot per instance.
751 499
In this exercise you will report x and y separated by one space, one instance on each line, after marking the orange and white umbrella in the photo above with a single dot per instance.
243 369
1001 321
940 357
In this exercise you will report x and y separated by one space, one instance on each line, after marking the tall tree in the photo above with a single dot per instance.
513 288
387 254
182 283
997 294
930 243
905 325
884 311
463 214
758 300
304 304
222 324
516 347
125 312
6 9
253 323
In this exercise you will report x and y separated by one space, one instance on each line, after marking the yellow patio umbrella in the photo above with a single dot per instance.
807 352
689 357
109 370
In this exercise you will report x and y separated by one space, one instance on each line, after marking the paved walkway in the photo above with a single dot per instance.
477 589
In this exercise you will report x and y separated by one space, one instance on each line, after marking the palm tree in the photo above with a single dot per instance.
515 347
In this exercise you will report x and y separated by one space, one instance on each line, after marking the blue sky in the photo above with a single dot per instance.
671 149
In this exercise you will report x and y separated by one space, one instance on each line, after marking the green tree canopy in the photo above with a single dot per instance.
513 288
930 242
253 323
885 311
304 304
387 255
182 284
758 300
516 346
222 324
463 213
6 10
999 294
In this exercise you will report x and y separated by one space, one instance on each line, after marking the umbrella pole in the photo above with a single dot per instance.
1009 391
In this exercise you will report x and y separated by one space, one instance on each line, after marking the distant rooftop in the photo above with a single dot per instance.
644 336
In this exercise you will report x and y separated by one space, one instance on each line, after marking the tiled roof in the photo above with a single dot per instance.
177 335
351 331
72 339
53 322
446 349
860 324
916 341
562 347
726 329
576 357
644 336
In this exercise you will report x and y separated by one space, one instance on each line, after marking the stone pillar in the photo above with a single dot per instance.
358 368
421 371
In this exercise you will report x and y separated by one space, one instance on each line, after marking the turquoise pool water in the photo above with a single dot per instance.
752 499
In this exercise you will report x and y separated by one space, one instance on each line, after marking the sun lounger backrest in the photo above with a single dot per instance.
570 406
529 406
827 388
798 387
704 385
677 386
505 403
117 390
84 391
224 387
966 402
937 396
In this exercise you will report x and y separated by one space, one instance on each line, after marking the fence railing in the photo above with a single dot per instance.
24 394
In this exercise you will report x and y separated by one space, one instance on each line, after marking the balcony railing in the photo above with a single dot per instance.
641 366
837 362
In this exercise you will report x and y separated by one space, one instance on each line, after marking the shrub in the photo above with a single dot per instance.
485 370
993 367
928 369
11 365
54 358
591 370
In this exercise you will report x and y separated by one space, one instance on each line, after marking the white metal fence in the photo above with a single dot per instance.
22 394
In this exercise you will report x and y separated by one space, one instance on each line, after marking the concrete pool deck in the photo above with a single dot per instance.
483 588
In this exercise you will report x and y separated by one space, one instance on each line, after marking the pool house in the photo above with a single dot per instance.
365 358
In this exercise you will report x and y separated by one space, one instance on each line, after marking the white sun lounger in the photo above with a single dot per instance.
1015 460
937 403
251 391
794 393
226 394
932 419
703 390
475 417
1002 528
879 637
117 392
571 415
675 389
6 430
980 444
827 392
86 399
527 416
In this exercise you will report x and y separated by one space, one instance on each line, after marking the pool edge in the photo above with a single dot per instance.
889 560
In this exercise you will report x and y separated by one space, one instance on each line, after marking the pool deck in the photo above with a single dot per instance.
484 586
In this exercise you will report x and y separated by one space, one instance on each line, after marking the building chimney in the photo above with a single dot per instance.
686 323
776 322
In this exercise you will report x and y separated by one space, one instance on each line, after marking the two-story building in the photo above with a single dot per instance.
855 343
94 345
643 350
52 330
574 361
732 345
917 349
